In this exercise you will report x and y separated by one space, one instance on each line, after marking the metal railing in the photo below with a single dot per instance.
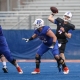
24 19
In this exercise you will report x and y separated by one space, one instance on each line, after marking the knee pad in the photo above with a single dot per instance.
38 58
60 60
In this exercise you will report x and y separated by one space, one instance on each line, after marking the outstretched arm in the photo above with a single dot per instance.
51 18
31 38
34 36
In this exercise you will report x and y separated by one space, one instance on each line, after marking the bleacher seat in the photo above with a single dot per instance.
24 16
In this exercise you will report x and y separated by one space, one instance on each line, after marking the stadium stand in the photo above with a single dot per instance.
23 16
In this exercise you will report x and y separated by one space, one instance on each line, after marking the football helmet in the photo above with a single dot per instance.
38 23
68 15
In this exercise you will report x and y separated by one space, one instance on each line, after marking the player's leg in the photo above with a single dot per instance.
3 60
60 61
62 49
37 61
7 54
4 49
62 55
43 48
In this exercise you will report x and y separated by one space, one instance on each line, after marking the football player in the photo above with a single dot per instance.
4 49
49 41
63 31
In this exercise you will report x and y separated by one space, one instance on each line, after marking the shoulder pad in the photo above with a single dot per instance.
72 26
46 28
60 20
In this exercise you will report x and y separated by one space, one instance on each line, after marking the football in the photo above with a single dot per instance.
54 9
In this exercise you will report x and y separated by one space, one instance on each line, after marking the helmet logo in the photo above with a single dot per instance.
68 13
39 21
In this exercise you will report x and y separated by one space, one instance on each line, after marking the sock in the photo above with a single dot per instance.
64 65
4 64
37 65
17 65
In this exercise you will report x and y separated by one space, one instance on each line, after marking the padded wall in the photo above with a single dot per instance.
22 50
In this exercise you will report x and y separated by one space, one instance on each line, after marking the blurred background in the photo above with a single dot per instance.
17 17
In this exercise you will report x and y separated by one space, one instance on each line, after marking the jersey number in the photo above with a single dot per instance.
60 32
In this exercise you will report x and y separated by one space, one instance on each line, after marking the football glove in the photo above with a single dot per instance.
53 44
27 40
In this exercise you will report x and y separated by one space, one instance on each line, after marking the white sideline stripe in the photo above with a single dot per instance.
43 60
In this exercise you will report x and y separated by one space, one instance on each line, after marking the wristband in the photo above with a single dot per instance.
53 43
31 38
52 14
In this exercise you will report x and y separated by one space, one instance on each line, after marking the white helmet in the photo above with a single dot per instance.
69 14
38 23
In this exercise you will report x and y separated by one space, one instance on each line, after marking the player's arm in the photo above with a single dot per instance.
34 36
31 38
52 35
51 18
69 34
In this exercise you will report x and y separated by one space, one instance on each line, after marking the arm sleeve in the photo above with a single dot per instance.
55 21
35 32
47 28
70 31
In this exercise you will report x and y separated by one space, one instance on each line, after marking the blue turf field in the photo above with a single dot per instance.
48 72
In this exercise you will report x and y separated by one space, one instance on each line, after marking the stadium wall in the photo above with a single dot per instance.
9 5
22 50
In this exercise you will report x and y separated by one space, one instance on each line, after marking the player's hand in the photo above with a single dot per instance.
54 14
62 29
27 40
53 44
51 47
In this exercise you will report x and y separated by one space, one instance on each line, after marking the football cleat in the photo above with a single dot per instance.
19 70
5 70
65 70
59 68
36 71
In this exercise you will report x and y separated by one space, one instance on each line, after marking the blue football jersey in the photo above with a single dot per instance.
3 42
42 35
